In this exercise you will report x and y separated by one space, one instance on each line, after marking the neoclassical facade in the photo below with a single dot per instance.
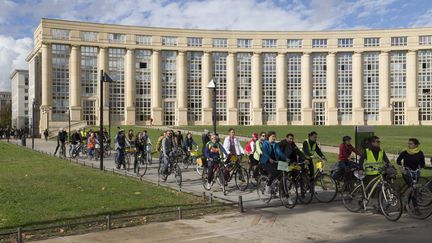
350 77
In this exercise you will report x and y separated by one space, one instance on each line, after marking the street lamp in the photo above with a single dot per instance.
34 104
212 85
103 78
69 123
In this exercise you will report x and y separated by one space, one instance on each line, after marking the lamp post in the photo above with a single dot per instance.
33 121
69 123
212 85
103 78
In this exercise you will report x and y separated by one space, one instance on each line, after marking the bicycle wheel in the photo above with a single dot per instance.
160 171
178 174
149 158
221 180
325 188
305 190
390 202
204 181
418 203
261 185
241 178
141 167
353 201
127 161
186 162
288 193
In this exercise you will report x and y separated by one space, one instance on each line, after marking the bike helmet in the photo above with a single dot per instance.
346 138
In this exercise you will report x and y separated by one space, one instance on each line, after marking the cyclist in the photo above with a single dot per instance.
271 153
413 158
214 151
250 150
373 156
167 152
120 144
345 151
105 137
46 133
310 148
61 139
189 143
83 135
130 137
178 139
91 144
76 140
290 149
257 154
232 145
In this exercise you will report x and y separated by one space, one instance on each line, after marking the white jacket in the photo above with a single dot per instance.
238 147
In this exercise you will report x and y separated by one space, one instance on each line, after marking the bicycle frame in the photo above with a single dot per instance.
369 189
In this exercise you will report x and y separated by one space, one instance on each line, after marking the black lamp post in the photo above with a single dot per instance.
33 121
103 78
212 85
69 123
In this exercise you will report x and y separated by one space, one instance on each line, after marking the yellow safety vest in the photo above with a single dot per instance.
311 149
371 164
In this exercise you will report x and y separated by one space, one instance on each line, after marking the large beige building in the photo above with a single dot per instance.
350 77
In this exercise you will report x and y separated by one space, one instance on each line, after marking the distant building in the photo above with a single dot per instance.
5 108
5 100
20 98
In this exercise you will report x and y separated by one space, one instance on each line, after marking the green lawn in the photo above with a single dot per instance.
394 138
36 188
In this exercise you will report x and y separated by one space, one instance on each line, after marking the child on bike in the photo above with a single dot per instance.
214 152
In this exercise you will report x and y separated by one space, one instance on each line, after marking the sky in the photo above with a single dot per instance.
19 18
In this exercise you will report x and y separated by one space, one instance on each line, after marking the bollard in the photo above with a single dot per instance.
113 171
19 236
84 162
92 165
240 204
204 196
125 173
211 198
108 222
180 216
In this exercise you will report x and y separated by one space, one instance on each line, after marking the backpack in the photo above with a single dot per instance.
335 172
159 143
248 148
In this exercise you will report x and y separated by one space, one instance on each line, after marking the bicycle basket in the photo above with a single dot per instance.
294 167
194 153
233 158
282 166
390 172
319 164
199 161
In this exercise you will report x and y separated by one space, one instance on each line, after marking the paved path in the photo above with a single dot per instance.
305 223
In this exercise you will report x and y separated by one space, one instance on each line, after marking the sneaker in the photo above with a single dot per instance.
267 190
208 185
290 201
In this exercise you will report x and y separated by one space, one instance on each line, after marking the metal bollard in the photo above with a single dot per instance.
19 235
92 165
108 222
211 198
240 204
84 162
180 216
204 196
113 171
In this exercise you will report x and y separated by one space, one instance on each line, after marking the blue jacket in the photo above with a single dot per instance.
266 151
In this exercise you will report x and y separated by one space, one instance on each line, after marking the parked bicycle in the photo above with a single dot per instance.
418 197
324 186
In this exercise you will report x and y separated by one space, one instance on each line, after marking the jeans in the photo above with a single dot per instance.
272 172
120 156
166 162
91 152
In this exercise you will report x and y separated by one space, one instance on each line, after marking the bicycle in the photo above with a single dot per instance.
218 176
236 170
418 197
129 153
173 167
388 197
62 152
120 154
282 186
190 157
298 174
326 185
141 164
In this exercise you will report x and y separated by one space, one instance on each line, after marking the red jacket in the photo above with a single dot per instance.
345 152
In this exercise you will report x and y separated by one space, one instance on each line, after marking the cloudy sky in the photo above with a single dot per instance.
19 18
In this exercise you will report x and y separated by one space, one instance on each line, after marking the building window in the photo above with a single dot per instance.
244 75
116 38
220 42
345 42
89 71
371 85
194 41
244 113
398 74
26 81
89 36
169 113
169 40
269 43
319 43
244 43
117 95
60 34
60 81
373 41
399 41
344 86
294 87
424 79
194 85
143 84
220 75
89 111
169 74
269 86
25 97
425 40
143 40
319 76
294 43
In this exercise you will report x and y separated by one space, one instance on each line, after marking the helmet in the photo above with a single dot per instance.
346 138
61 129
255 135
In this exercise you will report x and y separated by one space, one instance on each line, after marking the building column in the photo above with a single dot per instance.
156 88
256 90
332 109
357 89
130 85
281 90
306 82
385 115
45 108
103 65
182 119
206 92
232 118
412 114
75 85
